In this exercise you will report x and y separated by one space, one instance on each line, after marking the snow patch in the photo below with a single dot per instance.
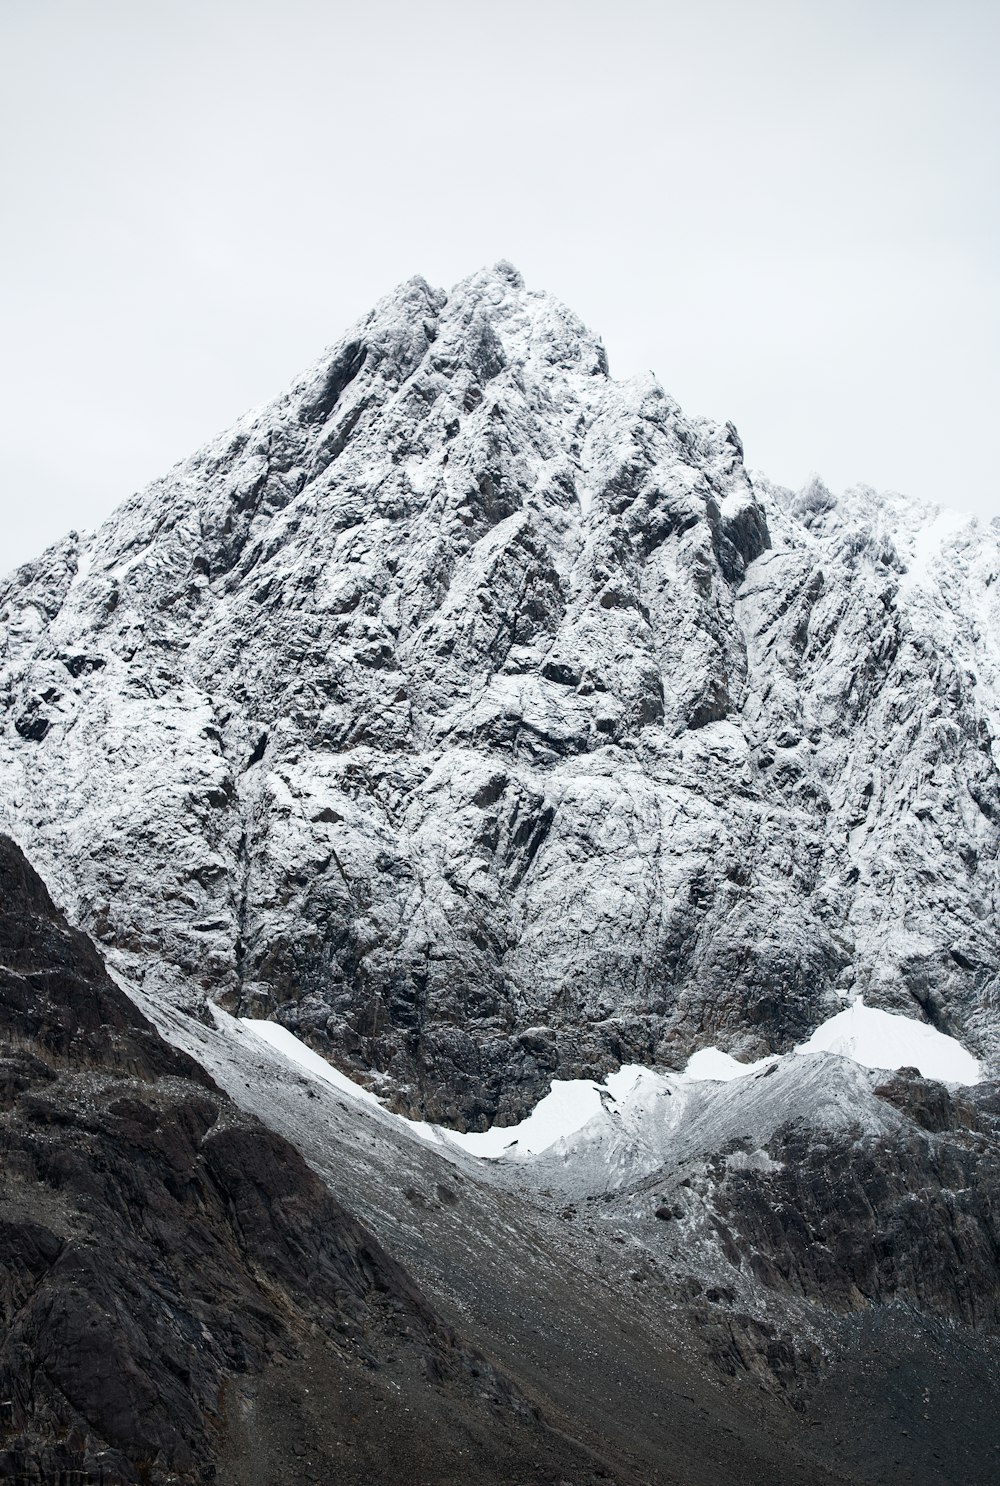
882 1039
569 1105
871 1038
310 1062
713 1063
925 547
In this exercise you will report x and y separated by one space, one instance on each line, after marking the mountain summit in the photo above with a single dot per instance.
482 720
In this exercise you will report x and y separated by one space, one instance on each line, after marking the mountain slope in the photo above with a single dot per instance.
183 1299
790 1277
480 718
175 1282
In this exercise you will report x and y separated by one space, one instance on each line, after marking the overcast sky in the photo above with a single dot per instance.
788 211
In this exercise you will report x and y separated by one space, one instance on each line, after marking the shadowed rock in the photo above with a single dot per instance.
174 1279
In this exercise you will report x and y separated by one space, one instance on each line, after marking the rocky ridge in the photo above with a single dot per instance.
483 720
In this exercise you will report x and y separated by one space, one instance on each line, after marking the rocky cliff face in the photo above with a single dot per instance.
484 721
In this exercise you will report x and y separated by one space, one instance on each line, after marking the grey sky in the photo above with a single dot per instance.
787 210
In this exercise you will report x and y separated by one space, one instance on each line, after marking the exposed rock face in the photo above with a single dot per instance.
480 718
855 1223
174 1279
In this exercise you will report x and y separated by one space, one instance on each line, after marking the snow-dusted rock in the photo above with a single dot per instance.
480 718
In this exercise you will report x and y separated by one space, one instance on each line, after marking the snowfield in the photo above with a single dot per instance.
862 1034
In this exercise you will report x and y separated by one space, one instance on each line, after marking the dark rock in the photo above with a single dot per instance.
158 1248
854 1221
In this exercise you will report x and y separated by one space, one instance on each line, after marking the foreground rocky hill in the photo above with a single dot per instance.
790 1276
181 1299
697 1297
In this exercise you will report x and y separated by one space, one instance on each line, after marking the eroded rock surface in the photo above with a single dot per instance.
483 720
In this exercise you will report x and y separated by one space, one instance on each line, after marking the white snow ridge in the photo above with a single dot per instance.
862 1034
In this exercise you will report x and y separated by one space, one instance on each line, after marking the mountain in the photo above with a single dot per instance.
484 722
481 719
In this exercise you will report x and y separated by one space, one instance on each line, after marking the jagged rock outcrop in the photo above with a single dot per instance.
812 1179
855 1223
175 1281
483 720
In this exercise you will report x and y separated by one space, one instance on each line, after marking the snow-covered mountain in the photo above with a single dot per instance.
483 720
485 724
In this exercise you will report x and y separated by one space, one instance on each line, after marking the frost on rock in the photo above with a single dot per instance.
481 720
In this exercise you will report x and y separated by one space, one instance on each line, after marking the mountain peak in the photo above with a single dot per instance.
495 673
479 720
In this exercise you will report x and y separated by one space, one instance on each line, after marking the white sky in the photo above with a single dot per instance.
789 211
